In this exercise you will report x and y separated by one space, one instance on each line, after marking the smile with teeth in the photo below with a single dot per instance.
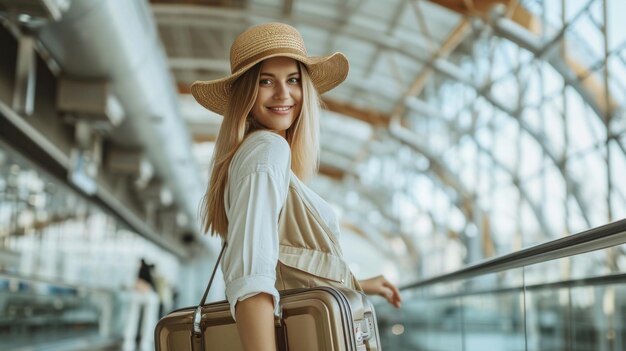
280 108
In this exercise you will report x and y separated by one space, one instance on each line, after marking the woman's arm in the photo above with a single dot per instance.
382 287
258 185
255 322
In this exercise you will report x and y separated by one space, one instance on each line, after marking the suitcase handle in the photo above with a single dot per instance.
197 317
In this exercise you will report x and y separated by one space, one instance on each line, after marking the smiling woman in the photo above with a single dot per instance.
279 96
267 145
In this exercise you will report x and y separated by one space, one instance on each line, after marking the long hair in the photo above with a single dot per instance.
302 137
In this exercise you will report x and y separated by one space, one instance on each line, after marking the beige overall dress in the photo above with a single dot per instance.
309 253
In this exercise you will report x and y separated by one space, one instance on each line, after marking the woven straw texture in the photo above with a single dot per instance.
262 42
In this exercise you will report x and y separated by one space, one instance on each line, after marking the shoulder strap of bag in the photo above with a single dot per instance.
219 258
198 314
196 337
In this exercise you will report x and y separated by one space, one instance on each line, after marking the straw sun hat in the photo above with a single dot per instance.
262 42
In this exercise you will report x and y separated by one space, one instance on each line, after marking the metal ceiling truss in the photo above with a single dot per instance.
519 30
453 72
512 22
437 62
393 24
514 177
453 40
211 17
411 245
504 25
374 199
466 201
428 111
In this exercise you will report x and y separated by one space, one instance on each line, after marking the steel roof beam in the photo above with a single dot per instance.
226 16
467 200
457 35
514 23
590 89
427 110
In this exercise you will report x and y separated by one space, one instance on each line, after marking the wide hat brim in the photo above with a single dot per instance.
326 72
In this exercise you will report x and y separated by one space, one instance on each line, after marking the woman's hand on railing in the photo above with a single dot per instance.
381 286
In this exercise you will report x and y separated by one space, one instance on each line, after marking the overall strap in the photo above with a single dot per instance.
219 258
196 335
197 316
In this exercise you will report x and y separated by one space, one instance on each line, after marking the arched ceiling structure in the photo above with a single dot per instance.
408 60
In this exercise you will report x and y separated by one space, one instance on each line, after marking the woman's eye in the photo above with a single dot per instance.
294 80
265 82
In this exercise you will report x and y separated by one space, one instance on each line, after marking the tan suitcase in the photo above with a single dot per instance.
314 319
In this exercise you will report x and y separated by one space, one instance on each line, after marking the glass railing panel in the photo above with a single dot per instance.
585 318
592 327
548 319
493 311
458 315
426 321
585 333
494 321
576 303
567 294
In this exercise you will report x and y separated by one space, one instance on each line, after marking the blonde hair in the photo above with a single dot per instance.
238 123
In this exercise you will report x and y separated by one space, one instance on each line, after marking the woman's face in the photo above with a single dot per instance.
279 99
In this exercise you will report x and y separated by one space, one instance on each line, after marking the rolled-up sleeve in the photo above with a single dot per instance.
257 191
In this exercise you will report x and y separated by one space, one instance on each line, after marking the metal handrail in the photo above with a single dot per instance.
609 279
608 235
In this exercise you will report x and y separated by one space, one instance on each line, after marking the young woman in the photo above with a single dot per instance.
279 233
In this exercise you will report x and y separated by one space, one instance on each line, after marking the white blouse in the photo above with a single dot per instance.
257 188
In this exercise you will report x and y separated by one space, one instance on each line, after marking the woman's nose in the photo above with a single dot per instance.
282 91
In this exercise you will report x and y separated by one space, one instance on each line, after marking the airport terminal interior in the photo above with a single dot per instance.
475 156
